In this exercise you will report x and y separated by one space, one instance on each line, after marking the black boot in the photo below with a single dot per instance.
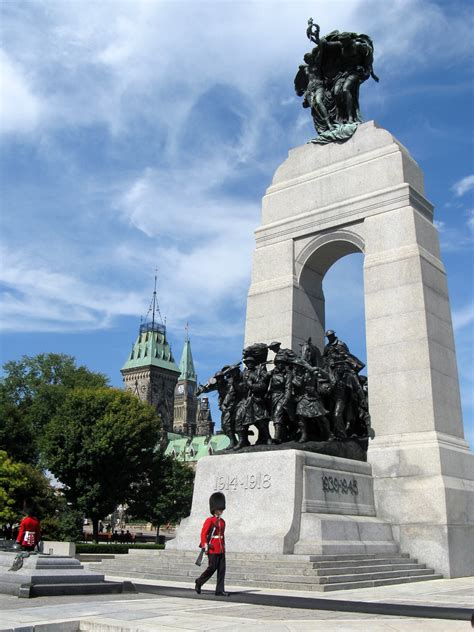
263 434
303 430
243 439
232 441
278 438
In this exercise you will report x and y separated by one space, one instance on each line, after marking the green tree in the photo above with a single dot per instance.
65 524
31 391
98 444
164 493
13 483
20 484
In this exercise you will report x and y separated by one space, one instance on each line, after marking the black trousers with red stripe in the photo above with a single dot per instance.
216 563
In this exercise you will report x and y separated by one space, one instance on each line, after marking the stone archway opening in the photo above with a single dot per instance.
343 287
322 271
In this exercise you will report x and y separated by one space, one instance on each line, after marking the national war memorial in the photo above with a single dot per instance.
367 478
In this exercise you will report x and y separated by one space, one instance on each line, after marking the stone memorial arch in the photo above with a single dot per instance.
367 195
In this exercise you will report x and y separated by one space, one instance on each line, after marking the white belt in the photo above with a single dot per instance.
217 536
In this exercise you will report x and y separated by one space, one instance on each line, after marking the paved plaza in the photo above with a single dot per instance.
162 611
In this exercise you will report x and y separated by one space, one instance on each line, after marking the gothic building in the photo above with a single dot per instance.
151 373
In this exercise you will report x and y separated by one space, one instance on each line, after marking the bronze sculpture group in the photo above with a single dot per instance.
313 397
308 397
330 78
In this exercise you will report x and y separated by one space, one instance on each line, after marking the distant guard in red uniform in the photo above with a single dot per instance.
30 533
213 542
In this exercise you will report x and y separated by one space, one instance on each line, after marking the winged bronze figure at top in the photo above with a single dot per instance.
329 81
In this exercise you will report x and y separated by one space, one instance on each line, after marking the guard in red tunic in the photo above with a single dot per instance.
213 542
30 533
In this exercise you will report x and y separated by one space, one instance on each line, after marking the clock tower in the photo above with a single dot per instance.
185 400
150 371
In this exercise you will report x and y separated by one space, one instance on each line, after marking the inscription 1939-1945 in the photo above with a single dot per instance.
337 485
249 481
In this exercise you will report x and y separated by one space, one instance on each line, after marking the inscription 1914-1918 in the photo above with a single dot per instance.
333 484
231 482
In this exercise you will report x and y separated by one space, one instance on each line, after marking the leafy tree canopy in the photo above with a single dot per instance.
98 444
13 482
164 493
21 483
24 379
31 390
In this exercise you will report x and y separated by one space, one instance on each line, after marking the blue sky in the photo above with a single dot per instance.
142 135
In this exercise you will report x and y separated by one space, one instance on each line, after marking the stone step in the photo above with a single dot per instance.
251 577
95 557
75 567
97 588
304 568
376 568
63 578
379 582
287 561
294 572
352 577
323 579
187 570
305 586
135 553
370 562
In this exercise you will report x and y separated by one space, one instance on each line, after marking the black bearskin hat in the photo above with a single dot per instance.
216 502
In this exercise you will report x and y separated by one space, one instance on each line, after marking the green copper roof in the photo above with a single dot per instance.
186 365
151 349
192 449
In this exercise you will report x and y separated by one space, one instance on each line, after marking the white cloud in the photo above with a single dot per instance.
463 186
36 298
20 108
154 59
470 220
463 317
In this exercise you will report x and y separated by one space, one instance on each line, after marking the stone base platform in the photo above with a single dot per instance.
45 575
289 501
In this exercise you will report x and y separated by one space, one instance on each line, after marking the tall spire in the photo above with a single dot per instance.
186 365
155 312
151 347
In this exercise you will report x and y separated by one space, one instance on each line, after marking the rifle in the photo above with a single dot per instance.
199 558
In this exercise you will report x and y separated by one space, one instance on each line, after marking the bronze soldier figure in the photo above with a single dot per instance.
310 411
227 383
281 400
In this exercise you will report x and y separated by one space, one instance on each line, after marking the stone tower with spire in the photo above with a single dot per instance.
185 400
150 371
205 425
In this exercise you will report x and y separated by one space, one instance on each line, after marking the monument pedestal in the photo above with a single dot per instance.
289 501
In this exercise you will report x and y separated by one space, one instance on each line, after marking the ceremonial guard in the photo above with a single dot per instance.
29 534
213 543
